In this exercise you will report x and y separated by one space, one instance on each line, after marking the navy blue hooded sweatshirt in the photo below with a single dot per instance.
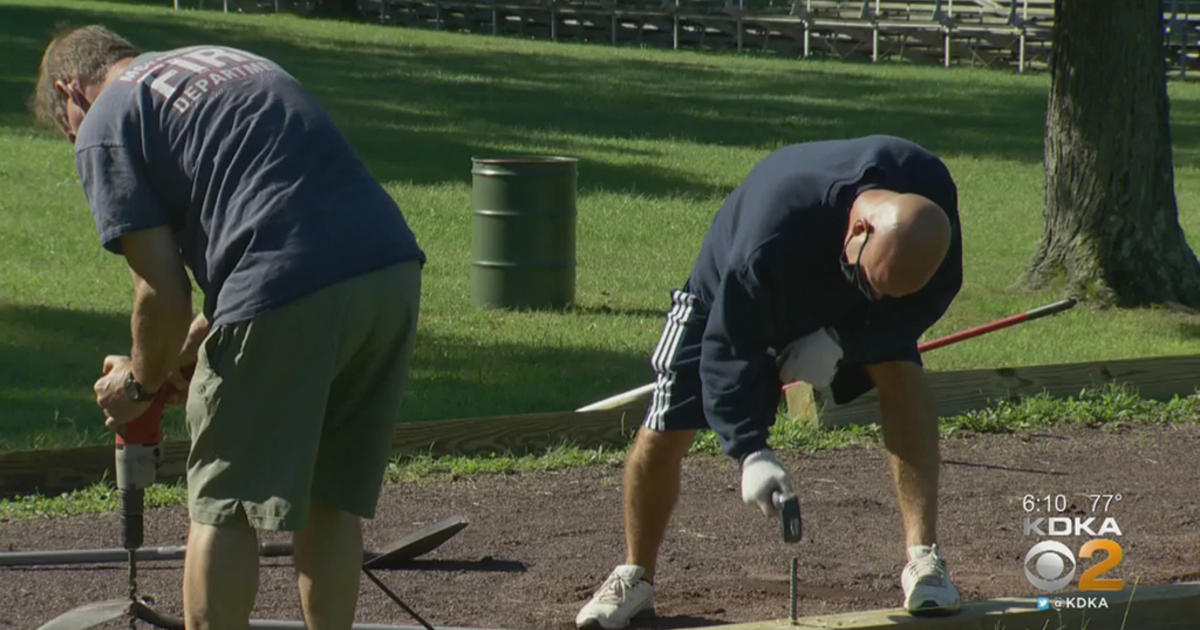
768 273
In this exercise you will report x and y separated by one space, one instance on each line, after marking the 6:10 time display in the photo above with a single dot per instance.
1048 503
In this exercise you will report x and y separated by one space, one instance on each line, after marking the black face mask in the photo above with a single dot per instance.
853 272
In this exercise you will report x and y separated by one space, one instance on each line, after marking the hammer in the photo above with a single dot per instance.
789 515
789 518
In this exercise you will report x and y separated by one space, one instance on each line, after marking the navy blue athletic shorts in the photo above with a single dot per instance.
677 403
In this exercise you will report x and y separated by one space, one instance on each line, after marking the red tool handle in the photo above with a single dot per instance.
147 428
932 344
1041 311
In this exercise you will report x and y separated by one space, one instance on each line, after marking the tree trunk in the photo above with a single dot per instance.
1110 216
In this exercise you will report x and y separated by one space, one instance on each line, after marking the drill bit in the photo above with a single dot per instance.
132 588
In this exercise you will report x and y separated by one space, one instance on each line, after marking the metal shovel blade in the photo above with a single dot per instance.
88 615
421 541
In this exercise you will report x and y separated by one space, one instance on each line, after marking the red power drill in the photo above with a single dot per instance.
138 450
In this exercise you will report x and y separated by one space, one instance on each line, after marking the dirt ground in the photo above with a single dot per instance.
539 543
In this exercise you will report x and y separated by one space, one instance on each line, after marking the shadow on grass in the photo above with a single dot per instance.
455 377
50 357
605 309
417 112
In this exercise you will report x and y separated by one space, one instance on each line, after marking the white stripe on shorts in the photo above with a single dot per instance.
656 358
664 353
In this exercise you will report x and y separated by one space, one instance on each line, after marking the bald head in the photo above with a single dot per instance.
909 237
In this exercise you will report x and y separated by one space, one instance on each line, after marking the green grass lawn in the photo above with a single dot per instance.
662 137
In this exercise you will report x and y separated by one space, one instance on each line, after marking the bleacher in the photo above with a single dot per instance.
998 33
1182 36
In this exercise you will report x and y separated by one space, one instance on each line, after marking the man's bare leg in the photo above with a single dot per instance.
652 472
220 576
910 434
328 555
914 461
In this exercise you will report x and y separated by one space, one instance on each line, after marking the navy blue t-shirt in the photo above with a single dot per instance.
265 196
768 273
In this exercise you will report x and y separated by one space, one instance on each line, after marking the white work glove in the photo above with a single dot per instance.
762 476
812 358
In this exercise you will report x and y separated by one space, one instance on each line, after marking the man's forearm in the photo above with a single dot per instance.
159 325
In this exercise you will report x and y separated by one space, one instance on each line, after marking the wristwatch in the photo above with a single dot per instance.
134 390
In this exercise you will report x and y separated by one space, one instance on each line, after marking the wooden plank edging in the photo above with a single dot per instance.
59 470
1170 607
1157 378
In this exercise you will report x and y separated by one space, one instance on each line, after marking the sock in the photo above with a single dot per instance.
919 551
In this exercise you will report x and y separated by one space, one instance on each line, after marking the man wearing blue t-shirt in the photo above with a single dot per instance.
825 265
216 160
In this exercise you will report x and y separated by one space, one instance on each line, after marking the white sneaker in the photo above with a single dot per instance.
622 596
927 586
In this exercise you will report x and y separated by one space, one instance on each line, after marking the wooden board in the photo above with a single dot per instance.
1171 607
58 470
957 392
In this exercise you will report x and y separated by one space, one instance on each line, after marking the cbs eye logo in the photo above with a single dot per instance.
1050 565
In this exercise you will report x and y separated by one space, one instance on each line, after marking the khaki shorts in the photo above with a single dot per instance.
300 403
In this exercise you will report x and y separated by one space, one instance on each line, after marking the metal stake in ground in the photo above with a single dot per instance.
789 516
792 589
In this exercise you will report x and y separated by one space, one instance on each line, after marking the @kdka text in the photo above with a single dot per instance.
1071 603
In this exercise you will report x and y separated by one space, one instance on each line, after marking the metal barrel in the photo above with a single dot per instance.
523 232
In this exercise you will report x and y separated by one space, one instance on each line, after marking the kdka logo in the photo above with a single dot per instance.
1051 565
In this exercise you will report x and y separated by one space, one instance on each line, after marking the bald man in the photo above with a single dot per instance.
826 265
